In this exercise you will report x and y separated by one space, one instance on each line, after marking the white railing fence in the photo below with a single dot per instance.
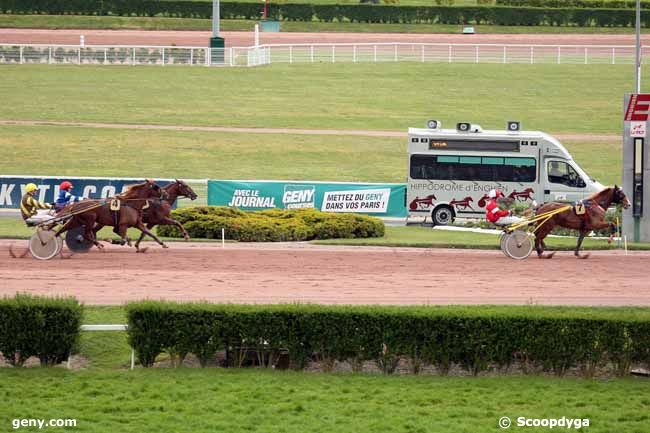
317 53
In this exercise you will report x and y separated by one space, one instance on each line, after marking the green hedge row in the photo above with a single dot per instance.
271 225
494 15
553 339
34 326
588 4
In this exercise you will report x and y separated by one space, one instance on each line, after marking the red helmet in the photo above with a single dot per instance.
65 185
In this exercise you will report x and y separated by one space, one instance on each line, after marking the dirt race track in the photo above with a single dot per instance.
281 273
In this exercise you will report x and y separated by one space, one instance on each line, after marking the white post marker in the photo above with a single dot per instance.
625 243
257 35
82 40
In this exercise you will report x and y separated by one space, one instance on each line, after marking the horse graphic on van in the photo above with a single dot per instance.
522 195
422 203
463 204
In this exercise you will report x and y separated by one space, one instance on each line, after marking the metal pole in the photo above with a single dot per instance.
638 47
215 18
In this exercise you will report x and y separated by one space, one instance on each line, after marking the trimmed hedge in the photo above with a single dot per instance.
587 4
36 326
364 13
273 225
553 339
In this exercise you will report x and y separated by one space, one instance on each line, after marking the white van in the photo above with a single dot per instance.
451 171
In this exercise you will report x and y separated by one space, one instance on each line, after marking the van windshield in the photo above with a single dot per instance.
473 168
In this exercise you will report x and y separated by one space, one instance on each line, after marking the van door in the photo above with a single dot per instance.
562 182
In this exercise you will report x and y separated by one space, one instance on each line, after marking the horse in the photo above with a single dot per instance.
594 218
464 203
522 195
424 203
131 202
159 211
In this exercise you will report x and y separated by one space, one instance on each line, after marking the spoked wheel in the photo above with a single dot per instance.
74 239
43 245
502 243
518 244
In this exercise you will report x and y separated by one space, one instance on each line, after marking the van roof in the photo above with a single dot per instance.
485 133
556 148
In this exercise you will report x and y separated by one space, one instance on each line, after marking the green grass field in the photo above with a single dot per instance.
163 23
105 396
326 96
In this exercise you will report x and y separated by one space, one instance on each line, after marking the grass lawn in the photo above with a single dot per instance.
331 96
163 23
198 401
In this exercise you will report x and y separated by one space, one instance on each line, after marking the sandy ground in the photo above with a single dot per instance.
280 273
244 39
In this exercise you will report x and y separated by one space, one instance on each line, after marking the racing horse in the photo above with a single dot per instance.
593 219
159 211
129 214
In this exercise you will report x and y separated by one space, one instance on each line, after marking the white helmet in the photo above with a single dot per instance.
492 193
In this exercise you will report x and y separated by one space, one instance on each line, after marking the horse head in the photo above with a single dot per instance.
184 190
468 199
619 197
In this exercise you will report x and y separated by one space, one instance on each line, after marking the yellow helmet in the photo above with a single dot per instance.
31 187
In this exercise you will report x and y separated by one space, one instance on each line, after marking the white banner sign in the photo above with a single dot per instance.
366 200
637 129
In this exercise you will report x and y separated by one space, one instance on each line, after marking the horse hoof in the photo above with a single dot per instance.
142 250
584 256
165 246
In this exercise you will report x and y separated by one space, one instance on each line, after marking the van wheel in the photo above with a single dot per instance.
442 216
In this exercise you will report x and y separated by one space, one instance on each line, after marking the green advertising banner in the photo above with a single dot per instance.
377 199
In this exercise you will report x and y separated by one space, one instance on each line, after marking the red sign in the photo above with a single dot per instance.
638 108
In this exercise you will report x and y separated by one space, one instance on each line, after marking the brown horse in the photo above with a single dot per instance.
129 214
593 219
159 211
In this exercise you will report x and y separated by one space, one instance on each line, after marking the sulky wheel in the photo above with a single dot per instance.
502 242
518 244
74 239
43 245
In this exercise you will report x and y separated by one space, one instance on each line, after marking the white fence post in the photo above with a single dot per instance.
505 56
613 56
311 53
375 47
79 55
49 56
476 48
449 53
230 53
105 56
191 56
586 61
21 55
422 54
559 55
162 55
395 52
133 57
290 53
354 53
333 53
532 55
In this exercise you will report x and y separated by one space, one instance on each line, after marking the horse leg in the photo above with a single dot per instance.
540 246
148 232
186 235
580 239
121 232
142 234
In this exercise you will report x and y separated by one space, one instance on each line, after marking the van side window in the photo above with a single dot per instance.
473 168
562 173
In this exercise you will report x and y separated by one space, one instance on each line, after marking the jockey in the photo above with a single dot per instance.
29 206
65 197
496 215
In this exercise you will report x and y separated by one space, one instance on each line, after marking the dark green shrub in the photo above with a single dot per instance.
475 338
37 326
271 225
